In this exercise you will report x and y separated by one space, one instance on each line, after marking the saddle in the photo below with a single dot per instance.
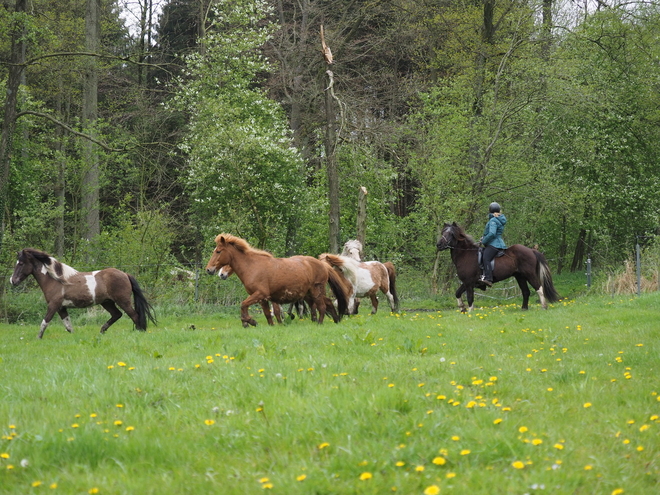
500 252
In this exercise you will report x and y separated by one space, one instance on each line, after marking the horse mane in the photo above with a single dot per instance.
56 269
462 236
240 244
351 244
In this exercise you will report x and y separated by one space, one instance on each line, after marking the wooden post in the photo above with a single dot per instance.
362 216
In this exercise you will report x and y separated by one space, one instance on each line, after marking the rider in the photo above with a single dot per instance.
492 240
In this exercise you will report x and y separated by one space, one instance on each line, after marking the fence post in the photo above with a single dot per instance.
588 274
638 262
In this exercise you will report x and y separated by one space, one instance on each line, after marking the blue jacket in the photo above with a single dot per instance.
493 232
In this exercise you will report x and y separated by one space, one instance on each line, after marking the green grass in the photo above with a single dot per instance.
220 409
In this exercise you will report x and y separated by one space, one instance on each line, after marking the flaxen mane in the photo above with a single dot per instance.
241 244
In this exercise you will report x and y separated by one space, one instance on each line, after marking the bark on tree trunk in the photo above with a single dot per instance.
90 186
362 216
16 68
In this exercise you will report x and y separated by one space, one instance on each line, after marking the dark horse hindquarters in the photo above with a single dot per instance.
526 265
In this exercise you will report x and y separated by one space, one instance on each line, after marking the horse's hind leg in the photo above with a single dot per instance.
64 314
115 314
524 288
266 309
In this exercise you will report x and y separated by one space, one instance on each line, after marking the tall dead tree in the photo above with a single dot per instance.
330 150
91 180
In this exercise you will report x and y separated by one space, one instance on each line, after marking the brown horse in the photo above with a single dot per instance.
64 287
521 262
225 271
279 280
366 279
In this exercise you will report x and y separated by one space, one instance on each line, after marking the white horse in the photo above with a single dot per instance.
366 279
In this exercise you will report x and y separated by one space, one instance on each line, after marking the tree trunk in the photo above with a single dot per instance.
16 68
331 165
90 186
362 216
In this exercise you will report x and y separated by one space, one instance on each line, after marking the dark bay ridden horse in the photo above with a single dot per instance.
278 280
521 262
64 287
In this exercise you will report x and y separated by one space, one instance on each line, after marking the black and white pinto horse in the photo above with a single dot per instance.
65 287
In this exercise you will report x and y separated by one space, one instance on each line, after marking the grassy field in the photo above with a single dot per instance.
564 401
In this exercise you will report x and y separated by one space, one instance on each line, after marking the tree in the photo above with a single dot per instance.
243 174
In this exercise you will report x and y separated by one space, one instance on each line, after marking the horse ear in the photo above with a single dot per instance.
454 224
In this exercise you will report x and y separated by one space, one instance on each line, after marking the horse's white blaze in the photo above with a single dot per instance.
91 285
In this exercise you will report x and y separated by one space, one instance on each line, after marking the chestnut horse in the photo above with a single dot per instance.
366 279
226 270
523 263
64 287
279 280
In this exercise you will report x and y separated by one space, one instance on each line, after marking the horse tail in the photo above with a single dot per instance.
391 273
337 284
543 272
144 310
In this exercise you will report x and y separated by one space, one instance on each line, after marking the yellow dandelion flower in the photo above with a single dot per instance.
130 428
523 429
264 480
465 451
120 405
419 469
455 438
302 477
267 486
518 465
644 427
558 446
450 475
53 486
366 476
323 445
439 461
390 385
497 421
640 448
400 464
118 423
36 483
93 491
4 455
432 490
587 404
121 363
209 422
617 491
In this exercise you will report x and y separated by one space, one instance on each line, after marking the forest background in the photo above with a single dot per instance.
133 132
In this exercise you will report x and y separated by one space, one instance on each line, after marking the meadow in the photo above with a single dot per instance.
499 401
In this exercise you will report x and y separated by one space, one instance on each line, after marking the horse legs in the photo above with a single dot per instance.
524 288
459 298
470 297
64 314
374 304
49 316
331 310
266 309
115 314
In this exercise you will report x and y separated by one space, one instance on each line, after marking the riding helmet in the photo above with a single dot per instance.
494 208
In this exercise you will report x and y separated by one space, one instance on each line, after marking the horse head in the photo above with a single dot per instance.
24 267
352 249
447 238
220 256
225 271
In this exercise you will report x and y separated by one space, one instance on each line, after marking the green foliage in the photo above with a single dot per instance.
243 174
